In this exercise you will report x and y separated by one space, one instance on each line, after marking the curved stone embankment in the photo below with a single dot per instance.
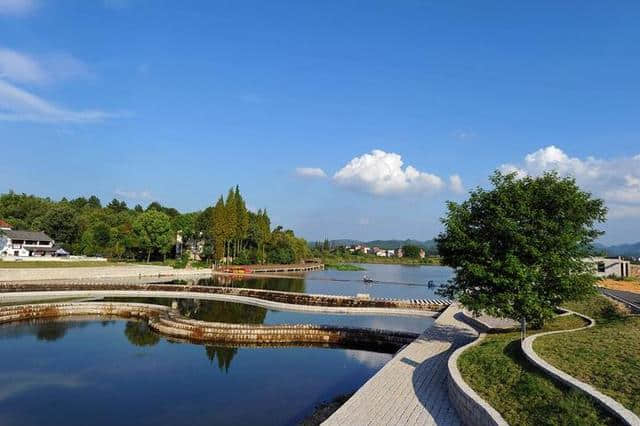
281 299
97 272
471 408
614 407
169 322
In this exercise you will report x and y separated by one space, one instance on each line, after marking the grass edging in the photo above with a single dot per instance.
612 406
469 405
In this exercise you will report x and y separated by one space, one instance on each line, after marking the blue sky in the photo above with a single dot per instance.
316 109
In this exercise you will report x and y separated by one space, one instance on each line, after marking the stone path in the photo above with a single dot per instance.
412 387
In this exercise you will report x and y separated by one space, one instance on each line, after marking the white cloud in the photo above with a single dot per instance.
464 134
19 105
382 173
17 7
134 195
310 172
20 68
455 183
27 69
616 180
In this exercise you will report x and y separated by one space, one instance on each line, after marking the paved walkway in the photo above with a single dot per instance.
412 387
630 299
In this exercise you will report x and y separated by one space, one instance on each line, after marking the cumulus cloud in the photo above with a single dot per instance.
382 173
310 172
455 183
17 7
134 195
616 180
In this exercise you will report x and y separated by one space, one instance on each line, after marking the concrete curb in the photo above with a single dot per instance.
472 409
611 405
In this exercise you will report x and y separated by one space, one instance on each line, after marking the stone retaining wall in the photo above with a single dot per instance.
275 296
169 322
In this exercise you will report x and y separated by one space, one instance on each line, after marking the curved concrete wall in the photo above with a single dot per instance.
170 323
626 416
284 297
471 408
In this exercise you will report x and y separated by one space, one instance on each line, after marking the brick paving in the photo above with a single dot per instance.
411 389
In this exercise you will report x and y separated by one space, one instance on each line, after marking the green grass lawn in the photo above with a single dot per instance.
606 356
498 371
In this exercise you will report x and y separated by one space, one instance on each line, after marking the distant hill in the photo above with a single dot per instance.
624 250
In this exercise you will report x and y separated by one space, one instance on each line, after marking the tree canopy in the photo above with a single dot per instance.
518 249
226 230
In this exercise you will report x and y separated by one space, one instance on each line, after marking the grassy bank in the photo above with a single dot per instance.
334 259
499 372
344 267
606 356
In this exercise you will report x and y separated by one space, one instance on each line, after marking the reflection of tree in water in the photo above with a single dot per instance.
139 334
223 354
234 313
51 331
276 284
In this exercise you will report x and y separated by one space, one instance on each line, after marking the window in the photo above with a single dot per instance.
601 267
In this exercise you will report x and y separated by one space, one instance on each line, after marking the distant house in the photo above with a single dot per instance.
26 243
381 253
610 266
366 250
422 253
399 252
391 253
4 226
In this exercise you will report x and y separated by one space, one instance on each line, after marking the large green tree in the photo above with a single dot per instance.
518 248
153 229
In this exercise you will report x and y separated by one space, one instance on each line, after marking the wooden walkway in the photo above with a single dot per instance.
411 389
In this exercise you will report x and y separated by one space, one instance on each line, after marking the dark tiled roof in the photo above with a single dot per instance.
27 235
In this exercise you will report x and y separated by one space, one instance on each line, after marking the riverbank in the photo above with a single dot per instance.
333 259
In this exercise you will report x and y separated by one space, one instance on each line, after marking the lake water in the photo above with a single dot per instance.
119 372
392 281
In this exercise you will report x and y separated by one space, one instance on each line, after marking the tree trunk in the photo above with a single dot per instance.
523 329
148 255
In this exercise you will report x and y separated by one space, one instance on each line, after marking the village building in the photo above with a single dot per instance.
422 253
26 244
610 266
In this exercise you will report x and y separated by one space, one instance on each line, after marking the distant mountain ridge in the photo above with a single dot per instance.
632 249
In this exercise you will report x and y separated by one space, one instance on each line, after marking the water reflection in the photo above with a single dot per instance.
87 373
224 355
139 334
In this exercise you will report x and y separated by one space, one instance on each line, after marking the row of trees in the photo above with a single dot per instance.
227 230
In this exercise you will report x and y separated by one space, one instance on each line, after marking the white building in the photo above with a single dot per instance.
610 266
381 253
25 244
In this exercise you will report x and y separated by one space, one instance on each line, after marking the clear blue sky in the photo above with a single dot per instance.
177 101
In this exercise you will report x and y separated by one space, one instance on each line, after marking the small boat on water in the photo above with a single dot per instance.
367 280
430 284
